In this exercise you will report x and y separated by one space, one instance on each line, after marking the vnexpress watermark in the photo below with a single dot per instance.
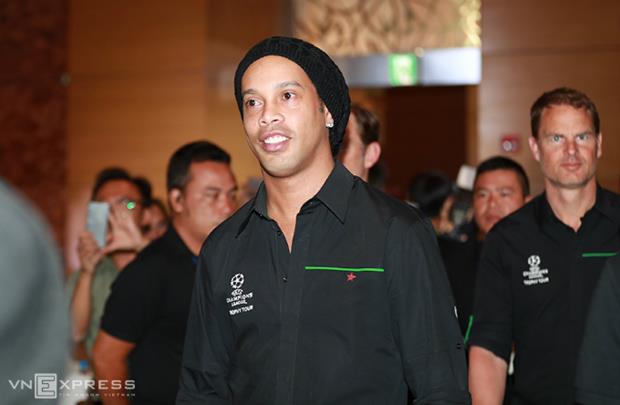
49 386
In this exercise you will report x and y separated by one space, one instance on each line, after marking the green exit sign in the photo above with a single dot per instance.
403 69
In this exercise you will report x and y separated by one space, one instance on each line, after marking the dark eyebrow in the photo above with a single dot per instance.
248 91
287 84
280 85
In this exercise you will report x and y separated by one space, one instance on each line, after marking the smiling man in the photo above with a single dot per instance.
540 264
321 289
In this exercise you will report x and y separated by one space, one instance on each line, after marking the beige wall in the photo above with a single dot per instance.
532 46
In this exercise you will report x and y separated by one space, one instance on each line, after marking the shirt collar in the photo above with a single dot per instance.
603 204
336 191
606 204
173 239
334 194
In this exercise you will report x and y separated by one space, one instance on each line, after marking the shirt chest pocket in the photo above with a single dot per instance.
344 292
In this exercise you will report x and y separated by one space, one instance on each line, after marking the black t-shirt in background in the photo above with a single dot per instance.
149 306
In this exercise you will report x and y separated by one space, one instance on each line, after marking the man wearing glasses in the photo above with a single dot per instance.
99 265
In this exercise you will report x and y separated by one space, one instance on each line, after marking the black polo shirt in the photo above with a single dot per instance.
358 313
534 287
149 305
598 369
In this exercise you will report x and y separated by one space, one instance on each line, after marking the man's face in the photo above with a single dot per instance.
567 147
122 195
209 197
497 193
353 150
283 116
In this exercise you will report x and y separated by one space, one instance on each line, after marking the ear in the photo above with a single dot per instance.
175 198
371 154
599 144
534 148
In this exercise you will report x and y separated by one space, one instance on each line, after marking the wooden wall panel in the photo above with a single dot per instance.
548 26
144 36
150 75
426 130
531 47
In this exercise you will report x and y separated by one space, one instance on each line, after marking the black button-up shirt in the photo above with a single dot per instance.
535 282
358 312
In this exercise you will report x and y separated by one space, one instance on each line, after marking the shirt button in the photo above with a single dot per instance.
284 278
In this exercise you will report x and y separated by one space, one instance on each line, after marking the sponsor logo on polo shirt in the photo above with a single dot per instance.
239 301
535 275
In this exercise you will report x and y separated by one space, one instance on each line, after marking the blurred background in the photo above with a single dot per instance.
89 84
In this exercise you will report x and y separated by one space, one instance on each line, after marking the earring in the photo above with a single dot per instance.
330 124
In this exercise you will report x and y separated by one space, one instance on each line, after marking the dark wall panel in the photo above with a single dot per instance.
33 100
426 129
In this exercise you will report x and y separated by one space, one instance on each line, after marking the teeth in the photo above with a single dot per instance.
275 139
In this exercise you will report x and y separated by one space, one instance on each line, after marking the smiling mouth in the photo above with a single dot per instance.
275 139
275 142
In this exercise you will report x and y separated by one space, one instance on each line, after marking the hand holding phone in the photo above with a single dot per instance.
97 221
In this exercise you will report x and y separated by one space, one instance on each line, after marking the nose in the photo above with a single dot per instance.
228 204
571 146
270 115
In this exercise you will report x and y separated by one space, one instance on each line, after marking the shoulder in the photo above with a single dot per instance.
402 226
148 264
523 218
609 197
230 228
384 207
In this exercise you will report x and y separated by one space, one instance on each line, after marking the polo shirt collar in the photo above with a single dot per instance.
172 238
603 204
607 205
334 194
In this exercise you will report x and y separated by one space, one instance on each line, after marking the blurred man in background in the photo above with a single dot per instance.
143 326
34 326
501 186
360 149
154 220
89 287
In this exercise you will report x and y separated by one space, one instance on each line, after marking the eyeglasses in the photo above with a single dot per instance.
129 203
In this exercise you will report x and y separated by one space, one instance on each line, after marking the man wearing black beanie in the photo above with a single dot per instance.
321 289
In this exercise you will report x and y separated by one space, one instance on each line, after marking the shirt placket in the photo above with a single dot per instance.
292 294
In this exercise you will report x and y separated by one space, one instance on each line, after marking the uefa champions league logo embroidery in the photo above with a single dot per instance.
237 281
535 275
238 301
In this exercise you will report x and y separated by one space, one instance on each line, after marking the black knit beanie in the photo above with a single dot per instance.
320 68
